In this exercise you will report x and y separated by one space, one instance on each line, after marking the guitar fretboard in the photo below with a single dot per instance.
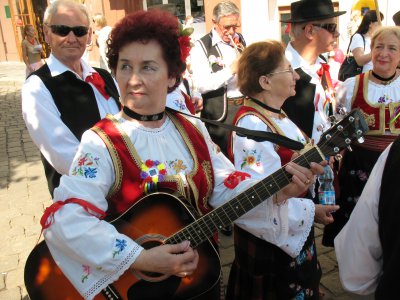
204 227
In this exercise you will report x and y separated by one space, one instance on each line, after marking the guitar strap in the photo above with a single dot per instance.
256 135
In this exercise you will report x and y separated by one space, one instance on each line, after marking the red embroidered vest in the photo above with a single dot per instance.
128 185
378 115
284 153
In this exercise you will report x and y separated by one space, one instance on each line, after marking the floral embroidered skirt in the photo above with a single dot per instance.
262 271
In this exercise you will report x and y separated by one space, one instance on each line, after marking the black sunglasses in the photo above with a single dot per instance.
63 30
330 27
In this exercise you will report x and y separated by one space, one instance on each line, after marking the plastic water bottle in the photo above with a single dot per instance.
326 190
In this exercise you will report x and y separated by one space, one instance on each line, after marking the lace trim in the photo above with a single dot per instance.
111 277
308 224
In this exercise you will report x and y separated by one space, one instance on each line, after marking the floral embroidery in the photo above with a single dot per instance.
383 99
152 172
120 245
235 178
86 166
301 223
180 105
86 273
251 158
177 165
305 255
212 59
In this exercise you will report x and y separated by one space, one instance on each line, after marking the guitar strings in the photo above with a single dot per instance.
259 189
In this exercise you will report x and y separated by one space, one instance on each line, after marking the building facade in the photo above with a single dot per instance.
259 18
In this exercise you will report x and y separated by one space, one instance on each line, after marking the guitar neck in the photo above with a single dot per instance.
204 227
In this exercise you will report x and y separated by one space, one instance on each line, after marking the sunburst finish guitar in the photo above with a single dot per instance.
164 218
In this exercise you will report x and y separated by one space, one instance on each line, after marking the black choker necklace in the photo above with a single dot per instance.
384 80
267 107
130 113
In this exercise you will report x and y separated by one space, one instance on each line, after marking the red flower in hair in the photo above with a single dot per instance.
184 41
185 45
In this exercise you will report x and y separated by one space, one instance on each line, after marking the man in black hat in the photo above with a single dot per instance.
313 32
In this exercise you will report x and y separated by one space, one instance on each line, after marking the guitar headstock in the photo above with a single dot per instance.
352 127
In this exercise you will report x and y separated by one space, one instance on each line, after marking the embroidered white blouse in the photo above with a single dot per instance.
260 159
91 252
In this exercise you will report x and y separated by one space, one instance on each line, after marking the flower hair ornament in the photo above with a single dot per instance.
185 41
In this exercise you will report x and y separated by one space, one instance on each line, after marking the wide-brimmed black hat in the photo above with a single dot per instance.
311 10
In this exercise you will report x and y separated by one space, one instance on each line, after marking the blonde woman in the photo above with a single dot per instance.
31 49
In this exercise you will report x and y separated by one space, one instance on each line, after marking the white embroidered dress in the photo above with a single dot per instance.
91 252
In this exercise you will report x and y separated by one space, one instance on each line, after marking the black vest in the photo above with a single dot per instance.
213 107
76 102
300 107
389 225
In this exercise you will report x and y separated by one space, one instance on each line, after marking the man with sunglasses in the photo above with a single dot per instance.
212 59
313 32
66 96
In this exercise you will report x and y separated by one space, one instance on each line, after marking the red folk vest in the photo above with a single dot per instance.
378 115
128 185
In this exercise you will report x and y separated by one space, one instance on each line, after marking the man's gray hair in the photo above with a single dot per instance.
52 9
223 9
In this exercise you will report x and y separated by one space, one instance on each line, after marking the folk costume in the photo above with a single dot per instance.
271 263
367 247
119 161
380 104
211 60
58 106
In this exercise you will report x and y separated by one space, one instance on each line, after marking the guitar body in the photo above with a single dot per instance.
149 222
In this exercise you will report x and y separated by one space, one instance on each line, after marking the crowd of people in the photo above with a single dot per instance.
111 136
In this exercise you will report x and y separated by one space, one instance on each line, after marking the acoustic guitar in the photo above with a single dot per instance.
165 218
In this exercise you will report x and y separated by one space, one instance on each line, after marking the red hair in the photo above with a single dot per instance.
144 26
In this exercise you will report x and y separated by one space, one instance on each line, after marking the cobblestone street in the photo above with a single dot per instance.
24 196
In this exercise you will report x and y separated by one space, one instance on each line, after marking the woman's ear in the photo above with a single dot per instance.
265 82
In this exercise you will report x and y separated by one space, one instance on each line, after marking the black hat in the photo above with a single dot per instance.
311 10
396 18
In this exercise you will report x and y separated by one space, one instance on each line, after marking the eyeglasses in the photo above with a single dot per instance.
63 30
330 27
289 70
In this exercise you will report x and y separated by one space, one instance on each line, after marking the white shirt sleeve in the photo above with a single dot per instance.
53 138
358 247
357 42
203 76
91 252
344 93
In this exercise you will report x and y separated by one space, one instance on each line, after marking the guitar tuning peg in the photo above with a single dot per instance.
360 140
332 119
338 157
342 110
349 148
320 127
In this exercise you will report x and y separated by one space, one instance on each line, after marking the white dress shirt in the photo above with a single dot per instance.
205 80
53 138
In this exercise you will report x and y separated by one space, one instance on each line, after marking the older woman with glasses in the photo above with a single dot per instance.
271 263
